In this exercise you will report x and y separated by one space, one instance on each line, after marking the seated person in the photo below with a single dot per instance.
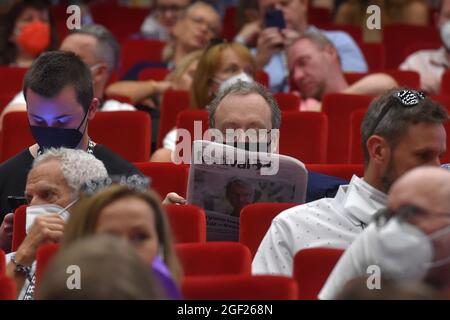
26 30
218 63
55 179
140 92
272 43
159 24
198 24
401 130
99 50
132 213
109 269
60 102
431 64
409 241
315 70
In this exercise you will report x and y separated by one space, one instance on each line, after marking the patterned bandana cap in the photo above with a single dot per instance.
409 97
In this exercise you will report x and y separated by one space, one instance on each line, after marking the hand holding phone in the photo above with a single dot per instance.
274 18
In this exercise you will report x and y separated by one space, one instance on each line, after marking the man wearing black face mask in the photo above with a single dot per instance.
60 102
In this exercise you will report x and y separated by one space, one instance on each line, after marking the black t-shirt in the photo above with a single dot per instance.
14 172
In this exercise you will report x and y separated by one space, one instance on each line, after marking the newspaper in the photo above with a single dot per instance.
223 179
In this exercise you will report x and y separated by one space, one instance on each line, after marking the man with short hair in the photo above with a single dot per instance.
60 103
432 63
272 42
99 50
315 70
55 178
165 14
420 203
401 130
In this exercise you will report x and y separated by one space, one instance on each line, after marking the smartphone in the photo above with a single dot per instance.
274 18
14 202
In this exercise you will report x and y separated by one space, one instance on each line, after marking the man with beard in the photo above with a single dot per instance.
401 130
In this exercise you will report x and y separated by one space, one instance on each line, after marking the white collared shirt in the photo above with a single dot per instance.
431 65
328 222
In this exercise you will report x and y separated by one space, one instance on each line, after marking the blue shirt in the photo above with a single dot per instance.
352 59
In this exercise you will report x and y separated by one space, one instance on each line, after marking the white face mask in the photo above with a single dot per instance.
230 81
33 211
404 252
445 34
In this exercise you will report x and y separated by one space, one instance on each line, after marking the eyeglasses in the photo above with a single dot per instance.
213 30
408 99
170 8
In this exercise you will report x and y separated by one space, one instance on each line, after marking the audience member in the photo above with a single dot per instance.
52 187
408 241
315 70
26 30
109 269
159 24
271 45
401 130
60 103
431 64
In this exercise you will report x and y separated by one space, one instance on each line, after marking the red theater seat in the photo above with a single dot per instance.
375 54
338 107
2 263
410 79
157 74
255 220
287 101
214 258
19 224
15 135
11 79
166 177
312 268
186 120
239 288
188 223
139 50
44 255
355 151
8 290
172 103
303 135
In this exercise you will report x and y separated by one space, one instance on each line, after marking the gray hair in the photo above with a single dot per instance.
396 121
77 166
244 88
108 50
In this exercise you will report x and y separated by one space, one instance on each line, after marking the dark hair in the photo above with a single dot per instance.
53 71
396 121
8 50
107 50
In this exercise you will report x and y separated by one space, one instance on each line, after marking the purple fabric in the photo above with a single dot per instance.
166 281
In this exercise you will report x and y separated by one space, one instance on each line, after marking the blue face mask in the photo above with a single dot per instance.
51 137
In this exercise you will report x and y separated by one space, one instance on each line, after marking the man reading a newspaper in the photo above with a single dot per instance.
401 130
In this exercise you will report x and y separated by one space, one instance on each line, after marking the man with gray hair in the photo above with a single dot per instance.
52 187
400 131
99 50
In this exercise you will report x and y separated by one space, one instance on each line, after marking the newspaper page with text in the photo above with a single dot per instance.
224 179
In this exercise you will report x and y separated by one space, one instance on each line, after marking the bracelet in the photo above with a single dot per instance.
21 268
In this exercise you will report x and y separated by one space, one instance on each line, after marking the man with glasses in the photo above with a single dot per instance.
409 241
159 24
401 130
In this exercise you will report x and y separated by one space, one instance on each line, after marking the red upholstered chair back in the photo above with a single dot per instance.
128 133
287 101
185 120
375 54
166 177
214 258
139 50
304 135
239 288
255 220
172 103
15 135
2 263
8 290
157 74
11 79
338 107
312 268
355 151
188 223
44 255
19 224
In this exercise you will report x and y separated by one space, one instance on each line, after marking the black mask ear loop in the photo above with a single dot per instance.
84 118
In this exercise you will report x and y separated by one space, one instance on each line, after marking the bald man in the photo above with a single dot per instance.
419 202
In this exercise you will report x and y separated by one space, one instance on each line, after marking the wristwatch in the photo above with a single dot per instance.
26 271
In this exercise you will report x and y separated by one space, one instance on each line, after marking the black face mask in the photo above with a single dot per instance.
50 137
